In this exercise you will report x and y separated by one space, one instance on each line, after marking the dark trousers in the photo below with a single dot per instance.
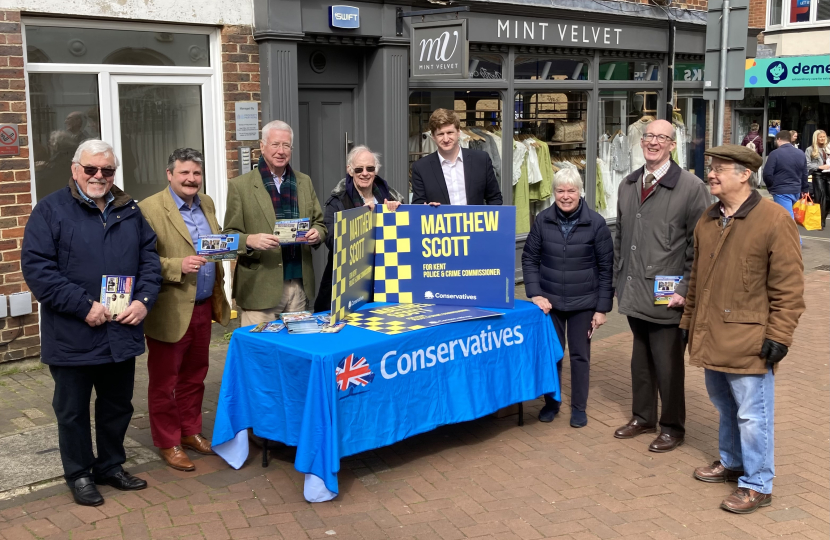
177 381
821 192
576 325
657 366
113 385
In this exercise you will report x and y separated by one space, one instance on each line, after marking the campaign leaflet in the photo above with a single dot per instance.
269 327
664 287
116 293
218 247
292 231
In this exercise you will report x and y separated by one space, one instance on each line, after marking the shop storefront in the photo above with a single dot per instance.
539 91
789 93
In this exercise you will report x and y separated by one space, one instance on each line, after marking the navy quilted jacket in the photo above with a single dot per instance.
574 272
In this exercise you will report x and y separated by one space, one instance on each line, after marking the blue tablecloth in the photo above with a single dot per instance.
317 393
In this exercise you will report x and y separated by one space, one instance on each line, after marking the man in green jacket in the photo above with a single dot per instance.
271 278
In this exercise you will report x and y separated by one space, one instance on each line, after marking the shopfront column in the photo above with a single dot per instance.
386 111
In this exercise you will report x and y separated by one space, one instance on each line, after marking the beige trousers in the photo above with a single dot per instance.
293 299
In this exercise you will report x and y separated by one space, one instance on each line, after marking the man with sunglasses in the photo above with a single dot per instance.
75 236
657 209
269 278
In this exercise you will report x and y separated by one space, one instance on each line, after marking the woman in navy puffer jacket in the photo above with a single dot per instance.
567 263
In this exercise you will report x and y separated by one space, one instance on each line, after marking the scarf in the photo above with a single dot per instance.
568 221
286 206
357 199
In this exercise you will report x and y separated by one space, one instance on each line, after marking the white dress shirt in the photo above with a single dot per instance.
454 177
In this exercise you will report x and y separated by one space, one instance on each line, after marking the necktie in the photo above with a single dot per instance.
648 181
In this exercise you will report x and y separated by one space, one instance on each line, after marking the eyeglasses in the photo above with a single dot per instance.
662 139
106 172
358 170
281 146
720 169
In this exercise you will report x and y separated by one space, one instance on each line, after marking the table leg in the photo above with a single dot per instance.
521 413
264 452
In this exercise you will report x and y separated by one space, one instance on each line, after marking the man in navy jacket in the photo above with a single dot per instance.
75 236
785 172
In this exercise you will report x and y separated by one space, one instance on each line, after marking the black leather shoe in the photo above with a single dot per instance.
124 481
85 493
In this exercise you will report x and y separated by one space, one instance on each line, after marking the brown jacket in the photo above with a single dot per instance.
170 316
747 285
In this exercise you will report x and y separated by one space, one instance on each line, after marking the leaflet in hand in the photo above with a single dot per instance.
218 247
664 287
292 231
116 293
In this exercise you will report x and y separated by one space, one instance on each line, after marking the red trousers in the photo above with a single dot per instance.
177 381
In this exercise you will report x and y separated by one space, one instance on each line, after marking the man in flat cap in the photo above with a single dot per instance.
746 293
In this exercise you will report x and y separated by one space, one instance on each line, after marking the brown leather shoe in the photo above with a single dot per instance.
177 459
746 501
633 428
665 443
716 472
197 443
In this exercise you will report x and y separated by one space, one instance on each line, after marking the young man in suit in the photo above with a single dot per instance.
192 295
453 175
269 278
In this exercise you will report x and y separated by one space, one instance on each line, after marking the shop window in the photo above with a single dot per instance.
549 135
776 8
691 139
480 114
688 71
622 118
640 70
65 112
823 10
799 11
753 98
551 68
72 45
485 66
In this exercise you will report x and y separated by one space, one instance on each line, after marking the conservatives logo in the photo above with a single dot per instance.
428 295
777 72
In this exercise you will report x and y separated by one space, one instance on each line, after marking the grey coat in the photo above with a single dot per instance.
813 164
656 238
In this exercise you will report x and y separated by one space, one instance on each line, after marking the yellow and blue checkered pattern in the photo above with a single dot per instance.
338 311
392 279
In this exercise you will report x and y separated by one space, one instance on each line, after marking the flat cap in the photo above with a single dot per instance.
737 153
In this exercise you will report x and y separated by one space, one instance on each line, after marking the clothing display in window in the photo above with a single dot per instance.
635 135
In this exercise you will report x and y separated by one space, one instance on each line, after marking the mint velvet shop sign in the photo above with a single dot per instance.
440 50
489 28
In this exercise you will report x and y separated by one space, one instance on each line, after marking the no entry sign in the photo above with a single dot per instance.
9 140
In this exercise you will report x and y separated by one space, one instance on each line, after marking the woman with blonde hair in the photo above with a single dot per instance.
818 165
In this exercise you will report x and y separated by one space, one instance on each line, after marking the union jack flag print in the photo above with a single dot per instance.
351 372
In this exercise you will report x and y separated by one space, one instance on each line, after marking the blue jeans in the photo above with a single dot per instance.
787 200
746 437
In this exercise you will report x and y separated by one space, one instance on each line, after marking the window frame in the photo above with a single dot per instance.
785 23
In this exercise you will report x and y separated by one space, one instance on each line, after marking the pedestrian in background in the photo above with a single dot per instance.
753 139
818 165
746 294
568 265
785 172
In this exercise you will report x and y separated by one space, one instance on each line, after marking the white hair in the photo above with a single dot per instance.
94 147
356 151
753 176
567 177
276 125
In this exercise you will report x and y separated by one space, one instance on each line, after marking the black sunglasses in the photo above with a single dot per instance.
92 171
358 170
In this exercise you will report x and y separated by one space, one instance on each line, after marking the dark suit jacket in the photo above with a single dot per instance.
428 183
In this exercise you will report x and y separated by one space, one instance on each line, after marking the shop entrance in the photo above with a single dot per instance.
326 135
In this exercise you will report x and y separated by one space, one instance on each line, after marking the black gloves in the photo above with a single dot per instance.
773 351
684 335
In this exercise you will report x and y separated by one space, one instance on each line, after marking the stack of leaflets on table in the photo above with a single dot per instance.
292 231
116 293
218 247
300 322
664 287
270 327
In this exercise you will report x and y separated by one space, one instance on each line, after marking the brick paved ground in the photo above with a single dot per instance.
487 478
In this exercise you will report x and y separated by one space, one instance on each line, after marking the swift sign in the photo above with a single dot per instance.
440 50
344 17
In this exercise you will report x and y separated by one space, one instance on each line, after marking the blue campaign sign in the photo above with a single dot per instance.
344 17
452 255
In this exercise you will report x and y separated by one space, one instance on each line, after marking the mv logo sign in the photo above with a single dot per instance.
439 50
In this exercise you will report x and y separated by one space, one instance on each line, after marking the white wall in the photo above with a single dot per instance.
797 43
212 12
